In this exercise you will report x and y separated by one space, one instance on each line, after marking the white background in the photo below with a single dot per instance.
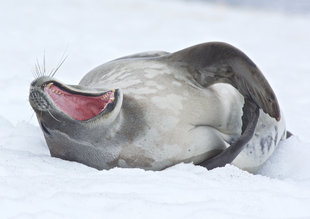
34 185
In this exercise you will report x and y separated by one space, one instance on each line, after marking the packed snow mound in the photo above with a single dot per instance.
35 185
289 162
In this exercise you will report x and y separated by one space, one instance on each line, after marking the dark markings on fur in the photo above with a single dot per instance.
276 136
265 143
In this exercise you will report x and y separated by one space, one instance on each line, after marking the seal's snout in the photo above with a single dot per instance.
40 81
38 100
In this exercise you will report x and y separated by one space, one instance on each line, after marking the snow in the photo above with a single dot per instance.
35 185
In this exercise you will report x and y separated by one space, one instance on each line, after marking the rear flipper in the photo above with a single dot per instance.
217 62
288 134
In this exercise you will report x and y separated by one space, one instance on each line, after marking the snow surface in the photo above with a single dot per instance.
34 185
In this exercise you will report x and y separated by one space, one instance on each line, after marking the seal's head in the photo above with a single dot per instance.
70 114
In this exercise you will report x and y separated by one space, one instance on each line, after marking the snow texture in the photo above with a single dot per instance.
35 185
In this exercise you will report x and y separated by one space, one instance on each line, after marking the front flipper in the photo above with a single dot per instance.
249 121
217 62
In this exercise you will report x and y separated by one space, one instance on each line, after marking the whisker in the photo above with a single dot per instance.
50 74
53 116
44 69
59 65
36 70
34 74
39 68
30 119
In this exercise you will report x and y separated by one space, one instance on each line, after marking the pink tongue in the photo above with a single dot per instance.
77 106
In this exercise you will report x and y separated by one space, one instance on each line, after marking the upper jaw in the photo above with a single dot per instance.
43 81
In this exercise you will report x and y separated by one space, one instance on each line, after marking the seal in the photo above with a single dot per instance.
208 104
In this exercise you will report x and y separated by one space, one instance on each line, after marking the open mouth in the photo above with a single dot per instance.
78 105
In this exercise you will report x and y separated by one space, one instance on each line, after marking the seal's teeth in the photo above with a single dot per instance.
112 98
56 91
49 85
113 90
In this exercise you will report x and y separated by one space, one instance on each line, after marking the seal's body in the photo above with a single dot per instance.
167 108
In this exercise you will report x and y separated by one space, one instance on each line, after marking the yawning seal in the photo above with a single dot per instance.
208 104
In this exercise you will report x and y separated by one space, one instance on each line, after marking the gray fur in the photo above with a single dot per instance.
168 111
